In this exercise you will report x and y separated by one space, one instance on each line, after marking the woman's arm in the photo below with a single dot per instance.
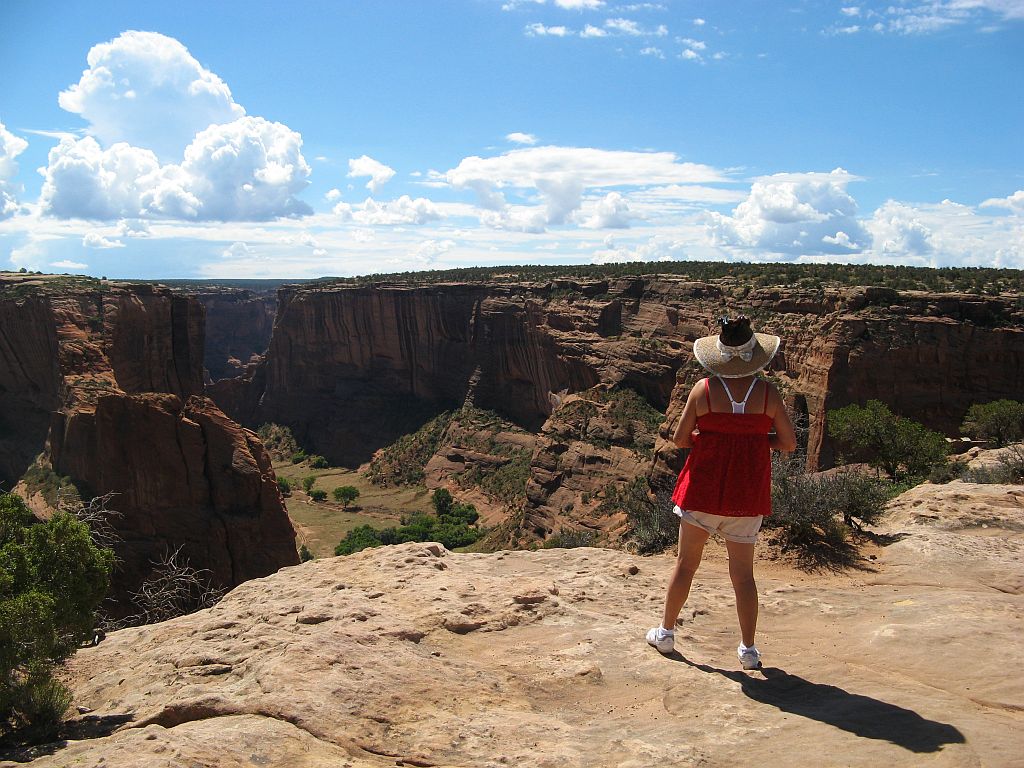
784 438
683 437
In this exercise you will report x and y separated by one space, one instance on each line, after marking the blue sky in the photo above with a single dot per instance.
265 139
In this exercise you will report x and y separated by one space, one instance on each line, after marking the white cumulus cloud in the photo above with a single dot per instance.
517 137
379 173
147 90
96 240
897 230
1014 202
556 178
10 147
68 264
610 212
808 213
404 210
166 140
247 170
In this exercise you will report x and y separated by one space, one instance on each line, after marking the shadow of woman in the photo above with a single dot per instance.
860 715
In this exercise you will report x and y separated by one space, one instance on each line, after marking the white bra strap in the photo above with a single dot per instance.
729 394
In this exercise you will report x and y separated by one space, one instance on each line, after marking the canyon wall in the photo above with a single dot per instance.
351 368
343 361
239 322
105 382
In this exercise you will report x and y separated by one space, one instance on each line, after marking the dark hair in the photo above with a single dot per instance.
735 331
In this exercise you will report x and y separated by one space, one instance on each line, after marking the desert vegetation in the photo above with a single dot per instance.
52 579
977 280
452 523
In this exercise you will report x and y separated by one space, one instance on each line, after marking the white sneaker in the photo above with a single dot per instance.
750 657
661 639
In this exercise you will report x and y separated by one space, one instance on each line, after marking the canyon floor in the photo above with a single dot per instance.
411 655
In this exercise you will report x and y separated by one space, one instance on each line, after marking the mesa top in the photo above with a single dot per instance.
729 470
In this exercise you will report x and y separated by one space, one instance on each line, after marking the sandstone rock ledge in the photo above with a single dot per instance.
412 655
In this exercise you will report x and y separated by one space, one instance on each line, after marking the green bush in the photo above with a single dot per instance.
278 440
307 482
948 472
285 485
52 578
304 554
317 462
359 538
345 494
453 524
652 526
898 446
402 462
569 538
1001 421
805 520
318 494
298 457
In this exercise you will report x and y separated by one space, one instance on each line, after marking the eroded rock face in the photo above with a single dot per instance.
105 380
239 322
346 363
415 655
184 475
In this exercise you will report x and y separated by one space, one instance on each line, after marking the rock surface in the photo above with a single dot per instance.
104 381
344 360
411 655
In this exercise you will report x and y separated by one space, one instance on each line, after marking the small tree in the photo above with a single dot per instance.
896 445
442 501
285 485
317 462
307 483
318 494
52 578
1001 421
304 554
346 494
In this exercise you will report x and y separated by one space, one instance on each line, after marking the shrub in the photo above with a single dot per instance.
804 520
304 554
896 445
346 494
52 578
403 461
278 440
441 500
307 482
317 462
569 538
948 472
173 588
318 494
1001 421
652 526
298 457
453 525
357 539
285 485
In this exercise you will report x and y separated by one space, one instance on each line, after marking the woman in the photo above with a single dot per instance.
725 485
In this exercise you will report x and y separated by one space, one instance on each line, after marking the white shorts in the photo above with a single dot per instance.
742 530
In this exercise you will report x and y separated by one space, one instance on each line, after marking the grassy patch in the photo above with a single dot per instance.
320 526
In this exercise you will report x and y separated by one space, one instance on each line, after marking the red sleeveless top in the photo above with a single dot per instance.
729 469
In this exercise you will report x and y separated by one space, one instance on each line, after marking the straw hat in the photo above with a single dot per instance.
737 351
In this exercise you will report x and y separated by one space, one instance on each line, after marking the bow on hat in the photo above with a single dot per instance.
744 351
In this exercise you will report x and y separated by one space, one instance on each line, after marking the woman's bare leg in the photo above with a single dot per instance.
691 548
741 572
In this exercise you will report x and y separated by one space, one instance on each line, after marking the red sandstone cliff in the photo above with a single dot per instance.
105 380
351 368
